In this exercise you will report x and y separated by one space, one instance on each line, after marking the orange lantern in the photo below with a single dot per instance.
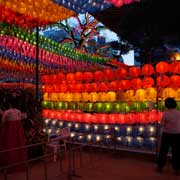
175 81
147 70
70 77
148 82
88 76
94 96
162 80
78 76
120 73
168 92
134 71
103 96
85 97
98 76
109 74
162 67
136 83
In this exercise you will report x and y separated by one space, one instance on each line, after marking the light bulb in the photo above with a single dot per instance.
116 128
89 137
69 124
76 126
128 129
98 138
72 134
53 122
119 138
46 121
96 127
141 129
106 127
87 127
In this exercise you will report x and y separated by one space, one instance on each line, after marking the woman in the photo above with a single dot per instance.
170 129
12 135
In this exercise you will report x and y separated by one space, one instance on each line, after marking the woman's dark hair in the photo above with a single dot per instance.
170 103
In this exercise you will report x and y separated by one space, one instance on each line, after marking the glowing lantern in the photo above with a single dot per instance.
70 77
103 87
148 82
136 83
178 94
147 70
45 113
109 74
168 92
162 80
140 95
87 87
76 97
175 81
129 95
103 96
124 84
63 88
78 76
98 76
86 97
121 73
53 78
162 67
87 76
60 77
78 87
94 96
112 96
94 87
45 79
61 96
113 85
134 71
46 96
68 97
150 94
175 67
53 96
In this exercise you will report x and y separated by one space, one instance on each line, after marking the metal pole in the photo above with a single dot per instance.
37 63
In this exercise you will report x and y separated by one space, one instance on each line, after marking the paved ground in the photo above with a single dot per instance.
101 165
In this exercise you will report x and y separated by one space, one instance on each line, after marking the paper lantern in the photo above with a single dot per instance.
103 86
103 96
162 67
168 92
46 96
120 73
148 82
150 94
94 87
175 81
140 95
78 76
86 97
113 86
60 77
63 88
175 67
76 97
112 96
108 74
124 84
53 96
61 96
87 87
178 94
94 97
88 76
78 87
45 79
162 80
70 77
134 71
98 76
147 70
136 83
68 97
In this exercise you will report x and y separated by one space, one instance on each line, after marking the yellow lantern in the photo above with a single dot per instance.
46 96
168 92
76 97
94 97
61 96
68 97
85 97
111 96
140 95
150 94
178 94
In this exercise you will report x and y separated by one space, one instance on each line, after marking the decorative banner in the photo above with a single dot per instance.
42 11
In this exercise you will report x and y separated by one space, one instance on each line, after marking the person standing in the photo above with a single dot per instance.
12 135
170 136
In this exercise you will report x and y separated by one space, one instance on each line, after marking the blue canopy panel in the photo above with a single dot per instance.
84 6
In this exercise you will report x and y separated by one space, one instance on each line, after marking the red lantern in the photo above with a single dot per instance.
109 74
98 76
136 83
94 87
103 87
113 86
162 67
175 81
147 70
70 77
88 76
78 76
148 82
60 77
124 84
78 87
121 118
134 71
162 80
175 67
63 88
87 87
120 73
45 79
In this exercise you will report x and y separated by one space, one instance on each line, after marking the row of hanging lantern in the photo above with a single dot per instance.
49 45
30 13
135 72
149 94
129 118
